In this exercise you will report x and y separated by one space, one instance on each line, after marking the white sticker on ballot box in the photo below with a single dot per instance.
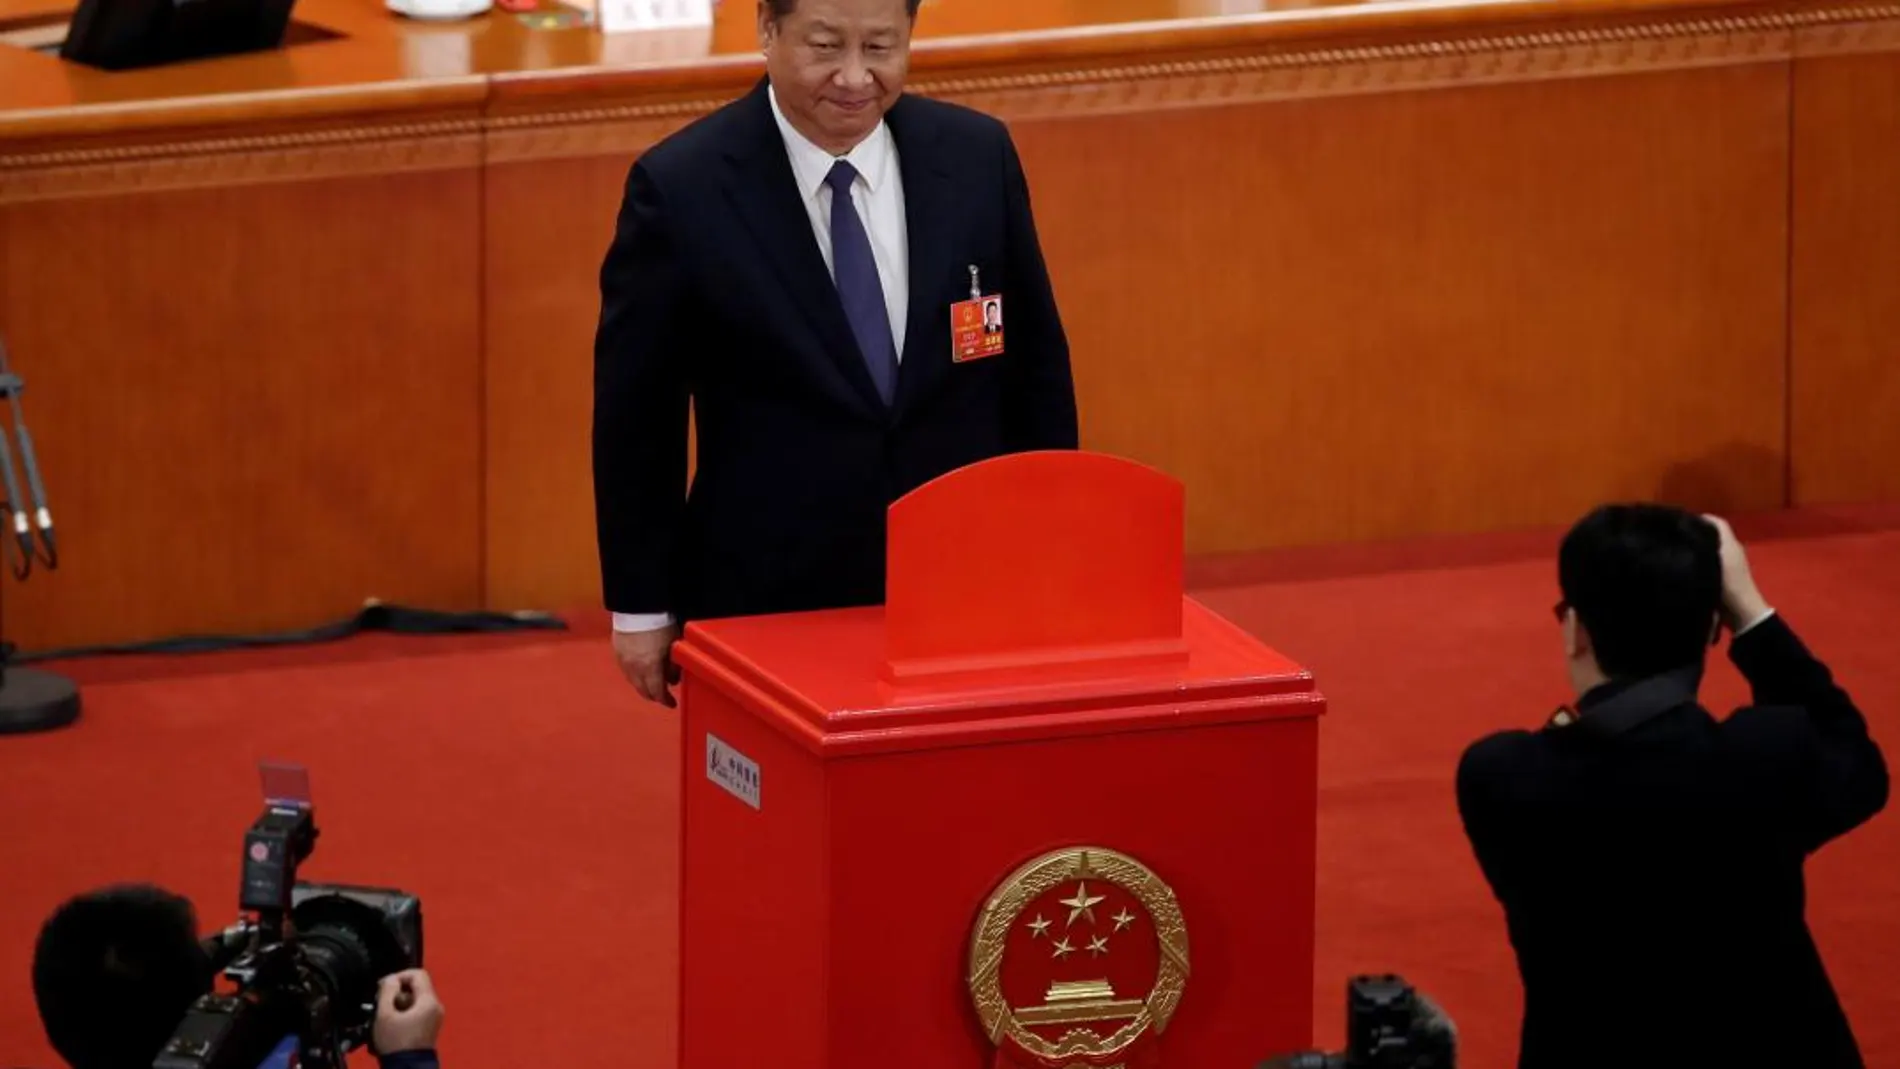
732 770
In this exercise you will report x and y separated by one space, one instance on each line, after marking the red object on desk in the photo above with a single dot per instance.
1040 809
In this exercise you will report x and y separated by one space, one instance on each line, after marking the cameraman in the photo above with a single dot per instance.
115 970
1649 856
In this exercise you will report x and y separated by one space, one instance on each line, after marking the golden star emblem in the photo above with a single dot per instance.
1123 919
1038 927
1098 945
1082 904
1063 949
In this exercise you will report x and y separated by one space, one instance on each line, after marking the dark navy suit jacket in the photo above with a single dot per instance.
714 292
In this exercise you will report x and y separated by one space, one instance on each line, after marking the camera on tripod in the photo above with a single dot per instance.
305 959
1389 1025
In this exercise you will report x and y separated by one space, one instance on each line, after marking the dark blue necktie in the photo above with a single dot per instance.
854 270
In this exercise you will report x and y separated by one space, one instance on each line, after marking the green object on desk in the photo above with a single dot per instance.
555 17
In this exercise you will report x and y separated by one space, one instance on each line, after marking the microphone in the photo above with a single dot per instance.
30 700
17 503
41 514
12 386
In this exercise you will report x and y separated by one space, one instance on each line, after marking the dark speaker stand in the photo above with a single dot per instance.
32 700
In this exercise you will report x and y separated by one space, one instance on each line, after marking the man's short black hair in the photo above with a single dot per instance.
114 971
1645 581
782 8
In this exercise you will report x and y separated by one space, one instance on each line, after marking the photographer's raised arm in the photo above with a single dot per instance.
1841 774
1840 777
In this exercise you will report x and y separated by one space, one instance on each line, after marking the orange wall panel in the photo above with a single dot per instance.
254 406
549 223
1398 314
1846 294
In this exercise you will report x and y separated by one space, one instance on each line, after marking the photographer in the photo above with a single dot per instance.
1648 856
116 969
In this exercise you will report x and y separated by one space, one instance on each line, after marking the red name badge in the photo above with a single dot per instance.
976 328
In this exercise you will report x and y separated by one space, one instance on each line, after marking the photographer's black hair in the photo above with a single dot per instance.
781 8
114 971
1645 581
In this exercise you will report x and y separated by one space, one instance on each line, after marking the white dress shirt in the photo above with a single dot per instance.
878 195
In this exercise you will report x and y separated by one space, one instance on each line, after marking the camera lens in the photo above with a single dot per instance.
346 947
345 967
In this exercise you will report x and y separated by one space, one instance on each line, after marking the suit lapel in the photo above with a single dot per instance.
764 193
929 222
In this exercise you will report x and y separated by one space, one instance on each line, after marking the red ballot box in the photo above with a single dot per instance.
1041 809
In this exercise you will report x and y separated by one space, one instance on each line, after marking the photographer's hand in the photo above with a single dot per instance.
1742 603
408 1015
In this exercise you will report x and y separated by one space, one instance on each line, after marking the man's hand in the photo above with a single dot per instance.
408 1015
646 659
1742 603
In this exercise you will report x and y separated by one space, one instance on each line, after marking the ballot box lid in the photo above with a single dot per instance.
1032 595
821 678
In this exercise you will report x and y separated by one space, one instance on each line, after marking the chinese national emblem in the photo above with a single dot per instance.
1079 959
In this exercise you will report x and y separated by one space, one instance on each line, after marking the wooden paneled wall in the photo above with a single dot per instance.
1844 348
254 406
1392 314
1345 296
549 225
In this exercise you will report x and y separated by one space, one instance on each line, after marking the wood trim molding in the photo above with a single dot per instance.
1431 65
1663 44
1881 34
1277 73
609 131
287 157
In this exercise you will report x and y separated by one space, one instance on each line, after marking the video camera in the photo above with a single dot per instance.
1388 1026
305 958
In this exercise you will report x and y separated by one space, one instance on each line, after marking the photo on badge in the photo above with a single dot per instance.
976 328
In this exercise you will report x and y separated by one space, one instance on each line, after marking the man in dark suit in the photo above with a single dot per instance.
789 264
1648 856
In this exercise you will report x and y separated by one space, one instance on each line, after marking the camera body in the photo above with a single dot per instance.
304 962
1389 1025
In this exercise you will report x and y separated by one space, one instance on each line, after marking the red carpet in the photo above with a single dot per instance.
520 789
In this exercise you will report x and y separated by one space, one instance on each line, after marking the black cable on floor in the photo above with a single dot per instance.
397 619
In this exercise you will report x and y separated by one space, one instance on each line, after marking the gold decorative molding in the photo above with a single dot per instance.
600 133
1083 90
238 161
347 135
1293 73
1741 38
1427 64
1849 38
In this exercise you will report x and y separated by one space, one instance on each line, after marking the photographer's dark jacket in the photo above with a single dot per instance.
285 1057
1652 880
